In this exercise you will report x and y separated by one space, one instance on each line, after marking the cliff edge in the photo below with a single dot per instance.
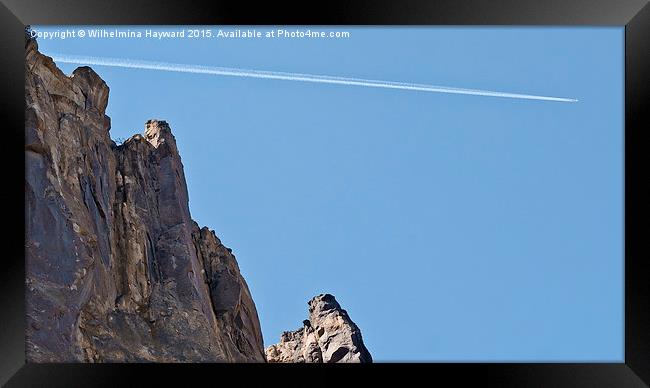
116 269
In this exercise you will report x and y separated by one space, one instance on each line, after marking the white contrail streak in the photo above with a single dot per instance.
225 71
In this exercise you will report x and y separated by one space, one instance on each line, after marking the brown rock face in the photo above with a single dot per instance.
116 268
328 336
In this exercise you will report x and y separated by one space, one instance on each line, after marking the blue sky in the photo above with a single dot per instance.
451 227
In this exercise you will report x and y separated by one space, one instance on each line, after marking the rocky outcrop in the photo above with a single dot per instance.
116 268
328 336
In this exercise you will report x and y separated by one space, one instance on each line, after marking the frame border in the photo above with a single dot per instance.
633 14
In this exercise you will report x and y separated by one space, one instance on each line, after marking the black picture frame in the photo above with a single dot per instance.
633 14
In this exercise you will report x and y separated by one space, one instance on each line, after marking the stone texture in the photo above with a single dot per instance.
116 268
328 336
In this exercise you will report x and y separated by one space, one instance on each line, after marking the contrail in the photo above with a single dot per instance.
226 71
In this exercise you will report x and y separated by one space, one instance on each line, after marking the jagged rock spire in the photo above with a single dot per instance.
328 336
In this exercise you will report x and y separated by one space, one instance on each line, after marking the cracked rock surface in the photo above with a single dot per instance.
116 268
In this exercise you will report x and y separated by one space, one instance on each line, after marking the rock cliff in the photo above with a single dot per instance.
328 336
116 268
